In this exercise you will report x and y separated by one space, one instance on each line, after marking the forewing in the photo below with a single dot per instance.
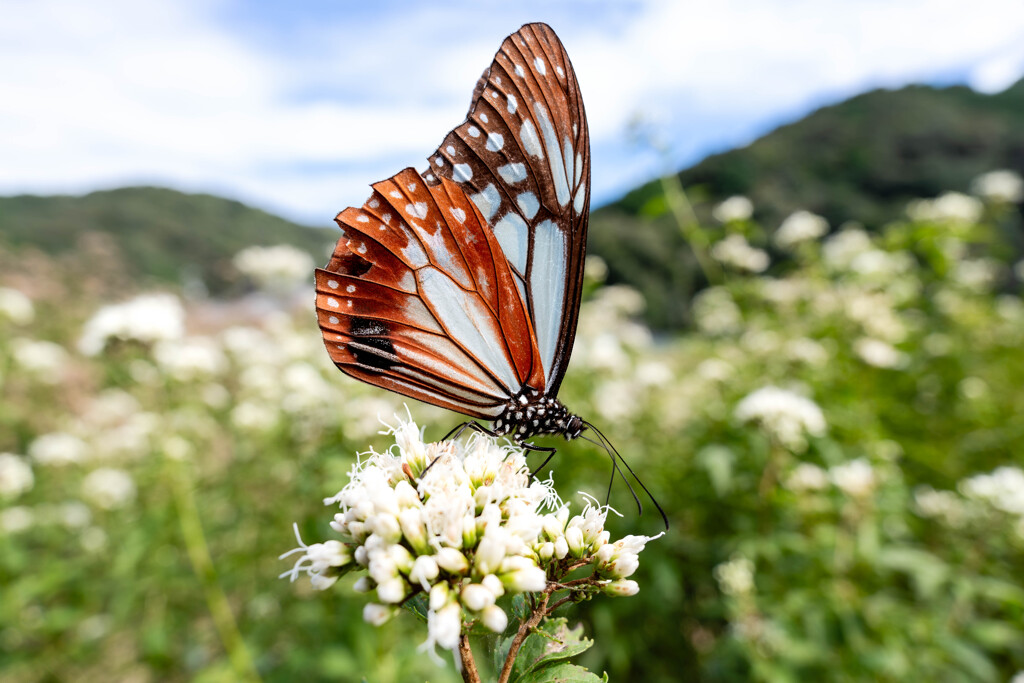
523 157
417 298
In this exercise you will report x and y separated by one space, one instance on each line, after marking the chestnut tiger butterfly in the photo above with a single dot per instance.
460 286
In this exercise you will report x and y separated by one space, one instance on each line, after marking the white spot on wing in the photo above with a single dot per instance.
473 131
519 71
483 117
531 143
333 284
463 172
333 320
579 199
548 276
395 194
512 173
512 235
487 201
450 150
363 218
373 203
417 210
459 214
558 70
332 302
350 289
554 154
528 203
512 104
495 141
541 68
579 168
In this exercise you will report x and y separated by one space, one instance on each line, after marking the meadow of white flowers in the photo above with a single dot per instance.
837 443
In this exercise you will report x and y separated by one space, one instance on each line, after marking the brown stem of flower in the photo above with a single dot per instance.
540 611
469 670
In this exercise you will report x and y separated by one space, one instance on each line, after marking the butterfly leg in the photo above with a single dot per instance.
540 449
475 426
457 432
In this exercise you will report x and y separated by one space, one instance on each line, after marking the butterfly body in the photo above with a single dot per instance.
530 413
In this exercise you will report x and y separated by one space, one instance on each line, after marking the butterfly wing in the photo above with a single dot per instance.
523 157
417 298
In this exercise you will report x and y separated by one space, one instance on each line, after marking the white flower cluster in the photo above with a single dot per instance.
784 415
280 267
15 475
1003 489
462 523
800 226
999 186
736 252
15 306
951 207
736 208
879 354
148 319
855 478
735 577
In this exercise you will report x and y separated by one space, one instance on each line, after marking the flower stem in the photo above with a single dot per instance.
539 612
469 670
202 564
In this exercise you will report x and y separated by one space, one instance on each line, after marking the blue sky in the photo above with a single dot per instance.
296 107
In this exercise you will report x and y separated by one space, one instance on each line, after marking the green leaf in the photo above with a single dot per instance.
550 643
563 673
927 571
418 604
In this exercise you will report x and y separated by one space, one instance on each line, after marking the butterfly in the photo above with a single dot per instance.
460 285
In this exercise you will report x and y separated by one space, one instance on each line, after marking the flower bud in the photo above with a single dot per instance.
411 522
402 558
357 530
386 526
553 527
445 625
489 554
469 532
406 495
377 614
561 548
520 575
438 596
476 597
495 619
424 570
621 588
321 582
624 565
546 551
493 584
392 591
364 584
574 537
451 560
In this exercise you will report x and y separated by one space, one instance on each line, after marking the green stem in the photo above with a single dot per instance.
202 564
682 211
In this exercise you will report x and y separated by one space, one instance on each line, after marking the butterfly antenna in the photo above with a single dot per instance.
609 446
615 469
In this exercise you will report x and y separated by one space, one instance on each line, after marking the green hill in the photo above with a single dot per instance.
153 235
861 159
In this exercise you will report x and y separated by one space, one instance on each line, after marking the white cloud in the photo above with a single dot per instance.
114 92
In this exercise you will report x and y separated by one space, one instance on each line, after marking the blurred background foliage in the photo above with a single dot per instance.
832 417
